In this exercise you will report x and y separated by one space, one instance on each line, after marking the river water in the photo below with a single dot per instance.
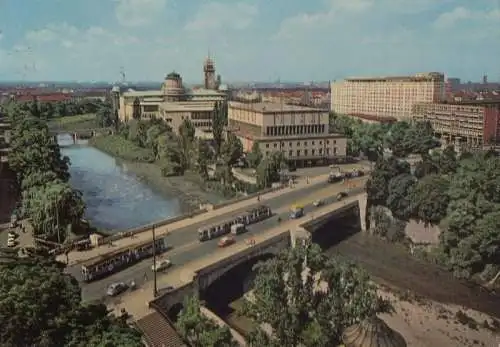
116 198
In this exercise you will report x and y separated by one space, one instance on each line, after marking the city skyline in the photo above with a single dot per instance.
250 41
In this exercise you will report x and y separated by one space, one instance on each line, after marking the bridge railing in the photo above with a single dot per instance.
117 235
244 252
247 197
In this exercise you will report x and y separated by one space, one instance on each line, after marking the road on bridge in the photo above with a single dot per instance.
186 246
277 199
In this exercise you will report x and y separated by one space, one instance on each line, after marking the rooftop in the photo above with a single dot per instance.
417 77
158 331
268 107
187 106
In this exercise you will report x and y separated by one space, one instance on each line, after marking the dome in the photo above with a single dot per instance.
115 89
173 88
173 76
372 332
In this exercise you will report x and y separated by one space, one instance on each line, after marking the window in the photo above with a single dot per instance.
334 150
275 145
327 142
312 143
267 145
305 143
305 151
290 144
290 153
298 153
313 151
298 144
320 151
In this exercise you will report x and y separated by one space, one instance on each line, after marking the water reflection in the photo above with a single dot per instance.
115 197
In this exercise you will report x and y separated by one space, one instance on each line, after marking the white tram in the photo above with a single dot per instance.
254 215
105 265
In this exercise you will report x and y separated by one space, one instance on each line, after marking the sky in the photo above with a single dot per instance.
250 40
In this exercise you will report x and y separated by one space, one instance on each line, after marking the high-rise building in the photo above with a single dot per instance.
300 133
386 98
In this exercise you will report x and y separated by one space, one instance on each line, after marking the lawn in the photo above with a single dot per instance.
81 121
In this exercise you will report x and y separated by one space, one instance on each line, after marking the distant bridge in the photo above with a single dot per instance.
81 132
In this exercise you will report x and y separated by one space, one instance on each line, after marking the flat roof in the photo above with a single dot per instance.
427 76
270 107
139 93
188 106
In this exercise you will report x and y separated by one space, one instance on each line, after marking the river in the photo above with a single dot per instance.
116 198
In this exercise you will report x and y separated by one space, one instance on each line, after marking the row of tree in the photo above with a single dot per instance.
51 110
300 298
401 138
460 194
48 201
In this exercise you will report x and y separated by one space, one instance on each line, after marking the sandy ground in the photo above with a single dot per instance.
427 323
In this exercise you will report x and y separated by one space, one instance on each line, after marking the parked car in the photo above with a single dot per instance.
11 243
161 265
226 241
13 235
116 289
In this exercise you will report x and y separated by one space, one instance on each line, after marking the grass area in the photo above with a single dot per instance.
73 119
81 121
117 146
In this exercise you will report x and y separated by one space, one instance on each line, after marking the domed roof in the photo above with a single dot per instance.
372 332
115 89
173 76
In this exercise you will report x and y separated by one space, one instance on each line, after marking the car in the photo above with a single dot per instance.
161 265
13 235
318 203
11 243
116 288
226 241
341 195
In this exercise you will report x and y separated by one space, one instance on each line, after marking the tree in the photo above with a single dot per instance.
384 171
232 150
200 330
151 138
219 120
202 157
308 300
254 158
41 306
35 150
51 208
399 196
398 140
137 112
104 114
430 199
423 138
269 169
470 231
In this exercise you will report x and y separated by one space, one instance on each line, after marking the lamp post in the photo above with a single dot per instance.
155 287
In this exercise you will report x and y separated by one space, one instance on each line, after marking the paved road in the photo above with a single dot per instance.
186 246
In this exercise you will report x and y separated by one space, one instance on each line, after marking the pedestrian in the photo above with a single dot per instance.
145 276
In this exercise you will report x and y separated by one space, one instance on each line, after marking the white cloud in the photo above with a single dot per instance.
215 15
461 14
137 13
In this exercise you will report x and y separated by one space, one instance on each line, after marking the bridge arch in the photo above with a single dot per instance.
234 281
174 311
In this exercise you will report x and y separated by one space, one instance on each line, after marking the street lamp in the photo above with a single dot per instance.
155 287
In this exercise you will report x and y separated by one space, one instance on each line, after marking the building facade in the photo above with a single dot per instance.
472 124
386 97
173 102
4 142
300 133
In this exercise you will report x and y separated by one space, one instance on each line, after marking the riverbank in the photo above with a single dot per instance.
137 160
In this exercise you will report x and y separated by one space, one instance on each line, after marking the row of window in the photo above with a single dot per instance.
295 130
290 144
305 152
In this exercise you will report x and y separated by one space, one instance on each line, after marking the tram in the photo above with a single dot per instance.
254 215
107 264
